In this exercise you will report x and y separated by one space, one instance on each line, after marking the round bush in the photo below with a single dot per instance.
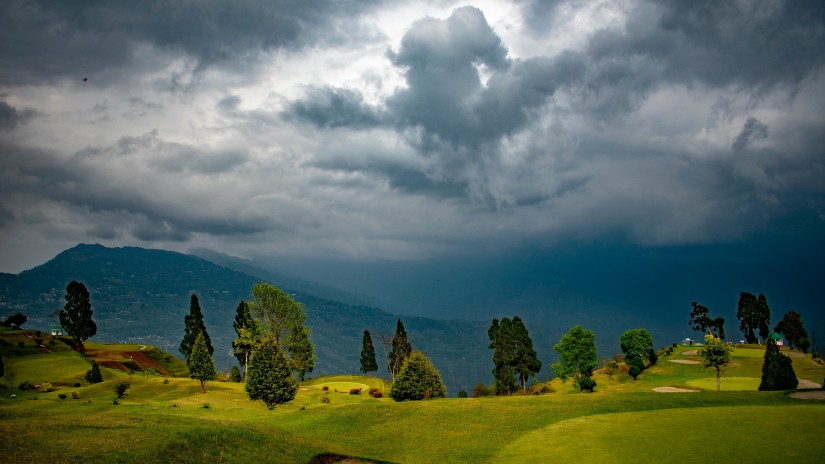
354 391
586 384
417 380
462 394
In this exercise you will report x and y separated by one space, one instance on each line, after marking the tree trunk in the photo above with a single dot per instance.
718 380
203 389
245 366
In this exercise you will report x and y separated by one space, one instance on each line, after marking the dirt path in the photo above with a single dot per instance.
111 359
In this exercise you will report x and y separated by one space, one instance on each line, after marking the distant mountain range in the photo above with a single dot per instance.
141 295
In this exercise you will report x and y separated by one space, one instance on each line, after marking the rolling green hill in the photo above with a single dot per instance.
141 296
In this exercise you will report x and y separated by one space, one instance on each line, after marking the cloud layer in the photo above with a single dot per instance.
355 129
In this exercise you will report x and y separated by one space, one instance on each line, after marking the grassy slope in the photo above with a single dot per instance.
162 422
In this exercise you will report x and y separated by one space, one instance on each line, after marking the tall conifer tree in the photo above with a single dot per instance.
194 325
200 363
76 315
401 349
368 362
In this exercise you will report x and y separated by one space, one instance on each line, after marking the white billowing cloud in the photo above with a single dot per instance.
405 131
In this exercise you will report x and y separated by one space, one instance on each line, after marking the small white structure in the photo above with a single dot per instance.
687 341
778 339
57 330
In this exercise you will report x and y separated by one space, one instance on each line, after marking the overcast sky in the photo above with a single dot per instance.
392 130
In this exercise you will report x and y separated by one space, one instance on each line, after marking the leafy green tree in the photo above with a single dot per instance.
242 346
578 355
194 326
502 342
200 363
76 315
93 375
526 362
611 368
418 379
120 389
368 362
302 352
701 321
270 378
754 315
716 355
16 320
636 343
235 375
793 329
400 350
777 370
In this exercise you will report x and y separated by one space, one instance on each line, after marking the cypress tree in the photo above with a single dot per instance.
777 370
269 378
243 321
368 362
194 326
401 349
200 363
76 315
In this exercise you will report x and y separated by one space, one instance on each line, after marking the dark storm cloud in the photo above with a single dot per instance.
754 130
42 40
330 107
10 117
105 182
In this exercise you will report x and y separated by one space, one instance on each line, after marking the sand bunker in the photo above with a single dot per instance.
690 353
674 390
794 354
684 361
809 395
803 384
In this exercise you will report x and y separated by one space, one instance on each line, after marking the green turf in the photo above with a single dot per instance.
716 434
727 383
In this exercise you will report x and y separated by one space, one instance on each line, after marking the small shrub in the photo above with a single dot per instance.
653 357
462 394
377 395
76 385
634 371
205 406
75 395
541 389
62 396
674 345
355 391
114 401
325 388
120 389
586 384
93 375
25 385
165 381
46 387
325 398
38 333
479 390
20 345
374 391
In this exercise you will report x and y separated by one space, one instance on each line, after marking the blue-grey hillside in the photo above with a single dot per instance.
141 296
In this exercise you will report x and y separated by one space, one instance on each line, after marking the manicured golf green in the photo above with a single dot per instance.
727 383
717 434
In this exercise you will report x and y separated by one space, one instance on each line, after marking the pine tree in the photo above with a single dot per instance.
76 315
368 362
526 362
193 327
401 349
235 375
270 379
777 370
200 363
503 344
302 353
248 334
418 379
93 375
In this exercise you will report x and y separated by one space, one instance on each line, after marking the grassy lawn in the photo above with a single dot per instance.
727 383
714 434
169 420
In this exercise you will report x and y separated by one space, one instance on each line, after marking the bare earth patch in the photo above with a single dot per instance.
794 354
674 390
809 395
803 384
684 361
